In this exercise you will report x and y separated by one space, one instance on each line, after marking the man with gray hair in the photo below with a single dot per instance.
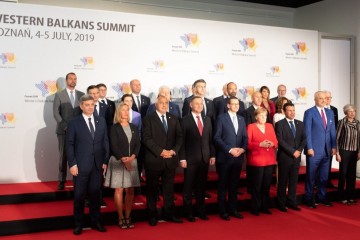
173 108
320 147
281 91
87 149
328 98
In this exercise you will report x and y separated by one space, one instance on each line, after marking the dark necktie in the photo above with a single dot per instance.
138 102
103 101
323 117
293 130
95 111
164 123
92 131
200 126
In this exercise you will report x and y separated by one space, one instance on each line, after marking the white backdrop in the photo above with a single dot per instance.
156 50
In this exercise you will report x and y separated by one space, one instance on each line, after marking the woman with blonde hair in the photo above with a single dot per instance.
122 174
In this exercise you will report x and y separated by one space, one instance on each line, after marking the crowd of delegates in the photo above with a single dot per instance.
108 146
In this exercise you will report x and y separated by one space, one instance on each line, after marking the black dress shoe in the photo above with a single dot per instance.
325 203
61 186
296 208
266 211
225 217
207 195
190 218
77 230
173 219
203 216
153 221
255 213
236 214
282 209
98 227
311 204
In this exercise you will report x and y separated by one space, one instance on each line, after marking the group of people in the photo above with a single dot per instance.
109 146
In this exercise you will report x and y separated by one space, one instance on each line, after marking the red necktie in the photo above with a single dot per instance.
323 117
200 126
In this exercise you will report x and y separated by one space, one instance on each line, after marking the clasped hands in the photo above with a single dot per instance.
167 153
236 152
127 161
266 144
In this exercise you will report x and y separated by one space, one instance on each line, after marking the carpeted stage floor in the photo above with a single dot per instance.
340 222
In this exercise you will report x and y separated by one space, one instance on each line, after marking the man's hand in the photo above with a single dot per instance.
296 154
74 170
311 152
212 161
333 151
104 167
183 164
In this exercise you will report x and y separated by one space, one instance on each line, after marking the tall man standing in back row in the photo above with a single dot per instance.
66 107
320 147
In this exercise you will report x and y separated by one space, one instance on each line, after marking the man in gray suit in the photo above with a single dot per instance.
66 106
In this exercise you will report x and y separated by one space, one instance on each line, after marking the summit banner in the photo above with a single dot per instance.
41 44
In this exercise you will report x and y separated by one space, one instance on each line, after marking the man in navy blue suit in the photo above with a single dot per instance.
231 141
88 154
222 107
320 147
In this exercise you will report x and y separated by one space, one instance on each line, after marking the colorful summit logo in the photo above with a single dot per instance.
219 67
7 118
7 58
158 64
121 88
300 48
246 93
275 70
300 94
47 87
190 39
248 44
87 61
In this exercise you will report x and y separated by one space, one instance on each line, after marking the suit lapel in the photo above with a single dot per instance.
159 122
318 115
229 122
85 126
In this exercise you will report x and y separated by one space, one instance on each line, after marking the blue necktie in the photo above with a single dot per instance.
96 114
292 128
164 123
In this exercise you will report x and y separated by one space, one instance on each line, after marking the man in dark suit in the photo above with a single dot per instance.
111 104
291 137
88 154
199 89
141 105
320 147
101 109
281 91
222 105
231 141
66 107
173 108
141 102
250 111
162 138
221 98
336 118
197 152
